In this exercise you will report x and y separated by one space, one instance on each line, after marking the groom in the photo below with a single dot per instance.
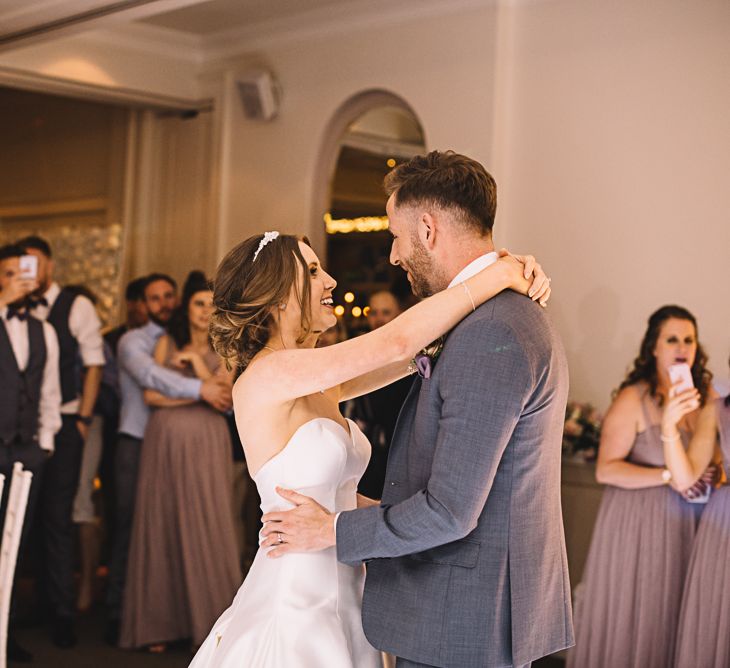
466 563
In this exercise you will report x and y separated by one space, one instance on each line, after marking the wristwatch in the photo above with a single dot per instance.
666 476
86 419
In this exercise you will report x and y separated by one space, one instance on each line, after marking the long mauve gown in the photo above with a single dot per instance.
704 625
183 560
636 569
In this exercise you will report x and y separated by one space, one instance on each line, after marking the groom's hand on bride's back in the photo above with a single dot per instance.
308 527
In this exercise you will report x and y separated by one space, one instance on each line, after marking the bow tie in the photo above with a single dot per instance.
35 303
14 312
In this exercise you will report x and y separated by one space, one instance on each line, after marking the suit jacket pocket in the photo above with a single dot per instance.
463 553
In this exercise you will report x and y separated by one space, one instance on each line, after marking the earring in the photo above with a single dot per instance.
282 307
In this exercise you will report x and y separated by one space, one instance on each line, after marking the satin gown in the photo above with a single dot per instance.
300 610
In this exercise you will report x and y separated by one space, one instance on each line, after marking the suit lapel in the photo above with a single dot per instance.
405 417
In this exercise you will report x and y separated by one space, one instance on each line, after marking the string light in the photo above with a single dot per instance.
349 297
356 311
347 225
339 310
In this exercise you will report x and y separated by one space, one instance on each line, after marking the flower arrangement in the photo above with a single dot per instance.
582 431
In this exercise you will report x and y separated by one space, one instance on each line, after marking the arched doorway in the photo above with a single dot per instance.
370 134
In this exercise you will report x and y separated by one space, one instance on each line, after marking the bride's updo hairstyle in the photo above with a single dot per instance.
247 294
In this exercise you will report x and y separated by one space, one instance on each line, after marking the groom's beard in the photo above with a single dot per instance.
426 275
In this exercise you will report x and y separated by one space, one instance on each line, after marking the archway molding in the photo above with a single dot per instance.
326 163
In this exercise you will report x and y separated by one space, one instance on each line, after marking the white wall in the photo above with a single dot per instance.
132 68
605 126
441 66
616 166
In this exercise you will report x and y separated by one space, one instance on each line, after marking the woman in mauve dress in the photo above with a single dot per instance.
703 636
183 560
632 587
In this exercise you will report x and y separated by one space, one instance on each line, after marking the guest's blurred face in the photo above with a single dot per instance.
45 270
9 269
383 308
409 253
161 299
136 312
200 309
676 344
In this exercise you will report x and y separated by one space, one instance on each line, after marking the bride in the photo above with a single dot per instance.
273 299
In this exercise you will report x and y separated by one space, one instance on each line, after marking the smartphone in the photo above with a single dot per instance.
680 373
29 267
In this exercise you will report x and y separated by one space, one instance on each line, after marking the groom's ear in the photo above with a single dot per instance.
427 230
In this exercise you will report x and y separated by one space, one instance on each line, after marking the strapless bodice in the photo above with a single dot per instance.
301 610
321 460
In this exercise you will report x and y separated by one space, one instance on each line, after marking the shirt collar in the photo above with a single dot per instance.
52 293
153 328
474 267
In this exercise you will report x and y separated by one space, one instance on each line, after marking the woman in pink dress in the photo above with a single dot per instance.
703 636
632 588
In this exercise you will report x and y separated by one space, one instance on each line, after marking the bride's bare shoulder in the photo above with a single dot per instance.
252 400
252 378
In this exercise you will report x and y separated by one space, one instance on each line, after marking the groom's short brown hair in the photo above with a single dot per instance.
447 180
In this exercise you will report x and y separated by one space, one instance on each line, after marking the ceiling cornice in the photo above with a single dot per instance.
150 39
326 21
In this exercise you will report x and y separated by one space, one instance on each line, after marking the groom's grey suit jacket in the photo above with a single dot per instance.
466 563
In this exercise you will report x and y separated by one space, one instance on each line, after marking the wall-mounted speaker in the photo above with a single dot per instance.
260 95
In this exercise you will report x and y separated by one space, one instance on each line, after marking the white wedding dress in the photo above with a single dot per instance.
300 610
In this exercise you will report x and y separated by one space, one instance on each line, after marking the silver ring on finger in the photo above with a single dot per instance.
280 538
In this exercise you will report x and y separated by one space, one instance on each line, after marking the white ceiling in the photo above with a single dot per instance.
214 16
26 21
201 30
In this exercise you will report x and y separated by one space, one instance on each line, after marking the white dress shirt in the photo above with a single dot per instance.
49 414
474 267
85 328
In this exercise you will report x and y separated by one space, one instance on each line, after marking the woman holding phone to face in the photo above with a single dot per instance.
636 567
703 637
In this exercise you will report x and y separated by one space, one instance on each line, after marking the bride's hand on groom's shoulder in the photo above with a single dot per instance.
527 276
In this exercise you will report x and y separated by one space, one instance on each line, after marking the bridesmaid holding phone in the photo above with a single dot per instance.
628 612
703 637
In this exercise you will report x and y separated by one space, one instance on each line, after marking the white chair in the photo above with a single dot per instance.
12 530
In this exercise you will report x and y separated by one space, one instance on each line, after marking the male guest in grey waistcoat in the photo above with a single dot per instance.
78 329
465 554
30 394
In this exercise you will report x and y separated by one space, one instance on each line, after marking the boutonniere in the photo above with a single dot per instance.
424 362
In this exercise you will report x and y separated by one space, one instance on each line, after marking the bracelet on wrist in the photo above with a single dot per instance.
669 439
85 419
